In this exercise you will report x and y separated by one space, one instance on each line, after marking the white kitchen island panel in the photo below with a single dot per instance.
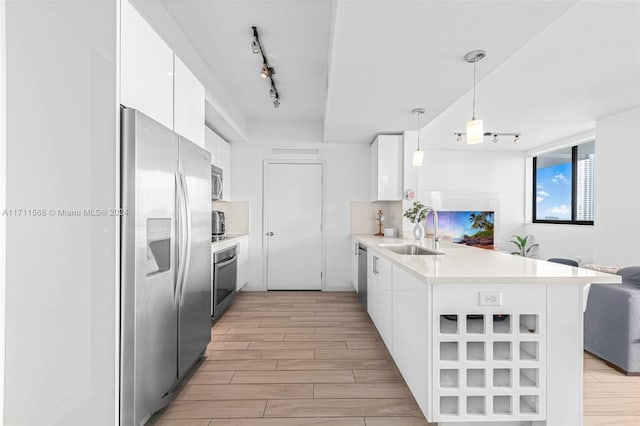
483 337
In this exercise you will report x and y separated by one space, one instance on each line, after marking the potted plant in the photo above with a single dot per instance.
413 211
521 244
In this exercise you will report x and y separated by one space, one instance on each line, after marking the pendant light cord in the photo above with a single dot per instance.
474 90
418 114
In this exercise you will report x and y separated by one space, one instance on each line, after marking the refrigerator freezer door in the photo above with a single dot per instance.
149 312
194 325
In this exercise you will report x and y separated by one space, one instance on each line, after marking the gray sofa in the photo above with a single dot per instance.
612 321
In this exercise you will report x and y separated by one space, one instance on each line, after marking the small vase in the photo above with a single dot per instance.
418 231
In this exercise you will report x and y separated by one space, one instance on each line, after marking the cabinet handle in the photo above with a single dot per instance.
375 265
357 245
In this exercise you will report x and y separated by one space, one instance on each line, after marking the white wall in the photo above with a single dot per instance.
617 215
3 198
471 178
61 272
346 180
565 241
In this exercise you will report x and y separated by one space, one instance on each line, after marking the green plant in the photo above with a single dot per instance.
413 211
521 244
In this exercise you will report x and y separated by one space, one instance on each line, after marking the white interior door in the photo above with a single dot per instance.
293 231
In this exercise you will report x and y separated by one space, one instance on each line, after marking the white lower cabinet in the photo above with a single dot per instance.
372 287
385 302
243 262
411 324
379 297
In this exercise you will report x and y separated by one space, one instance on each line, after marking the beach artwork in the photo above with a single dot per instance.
468 228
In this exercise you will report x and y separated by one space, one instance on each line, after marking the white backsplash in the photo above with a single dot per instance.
363 216
236 215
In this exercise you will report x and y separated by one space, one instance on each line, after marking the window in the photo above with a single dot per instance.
564 182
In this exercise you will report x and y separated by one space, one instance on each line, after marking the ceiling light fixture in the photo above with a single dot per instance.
475 131
267 70
418 155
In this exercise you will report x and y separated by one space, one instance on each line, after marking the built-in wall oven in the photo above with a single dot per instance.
216 183
223 285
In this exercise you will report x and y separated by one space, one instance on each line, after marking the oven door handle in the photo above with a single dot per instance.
227 262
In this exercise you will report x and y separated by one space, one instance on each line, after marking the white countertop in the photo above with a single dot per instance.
462 264
230 240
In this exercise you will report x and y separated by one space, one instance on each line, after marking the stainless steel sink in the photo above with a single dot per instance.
410 250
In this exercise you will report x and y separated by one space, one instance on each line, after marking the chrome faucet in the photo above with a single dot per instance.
436 238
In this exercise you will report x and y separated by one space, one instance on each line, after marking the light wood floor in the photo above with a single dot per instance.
311 358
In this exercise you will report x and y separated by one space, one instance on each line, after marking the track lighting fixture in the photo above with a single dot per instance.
418 154
475 130
267 71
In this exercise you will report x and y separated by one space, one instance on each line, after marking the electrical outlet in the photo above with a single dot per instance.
489 298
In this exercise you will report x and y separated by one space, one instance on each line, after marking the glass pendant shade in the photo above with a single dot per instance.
418 157
475 132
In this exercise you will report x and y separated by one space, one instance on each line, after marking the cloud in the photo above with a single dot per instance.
562 210
539 186
541 195
559 178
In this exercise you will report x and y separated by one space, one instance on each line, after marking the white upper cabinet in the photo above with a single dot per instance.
188 104
224 162
146 68
220 157
386 155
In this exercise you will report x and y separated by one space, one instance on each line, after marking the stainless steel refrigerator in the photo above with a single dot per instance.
166 263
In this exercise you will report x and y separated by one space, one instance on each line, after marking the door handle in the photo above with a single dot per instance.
269 234
187 259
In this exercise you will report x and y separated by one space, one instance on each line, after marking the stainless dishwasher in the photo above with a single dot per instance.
362 274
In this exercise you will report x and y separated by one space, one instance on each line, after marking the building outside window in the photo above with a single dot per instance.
564 185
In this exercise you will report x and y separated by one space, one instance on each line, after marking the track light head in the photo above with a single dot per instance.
272 93
495 138
276 103
265 72
255 47
516 139
459 138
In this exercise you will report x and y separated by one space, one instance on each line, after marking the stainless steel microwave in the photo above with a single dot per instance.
216 183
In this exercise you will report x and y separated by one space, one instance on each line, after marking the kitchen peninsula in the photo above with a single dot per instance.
481 335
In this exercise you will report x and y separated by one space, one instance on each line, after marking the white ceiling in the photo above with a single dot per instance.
552 69
295 35
391 56
583 67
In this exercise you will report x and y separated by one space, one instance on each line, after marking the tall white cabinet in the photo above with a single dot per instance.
146 68
188 104
386 168
156 82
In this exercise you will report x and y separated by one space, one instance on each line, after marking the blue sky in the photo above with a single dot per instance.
553 192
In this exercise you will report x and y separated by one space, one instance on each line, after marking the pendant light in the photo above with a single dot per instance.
475 131
418 155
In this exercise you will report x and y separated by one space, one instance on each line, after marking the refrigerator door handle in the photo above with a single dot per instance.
179 238
187 258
